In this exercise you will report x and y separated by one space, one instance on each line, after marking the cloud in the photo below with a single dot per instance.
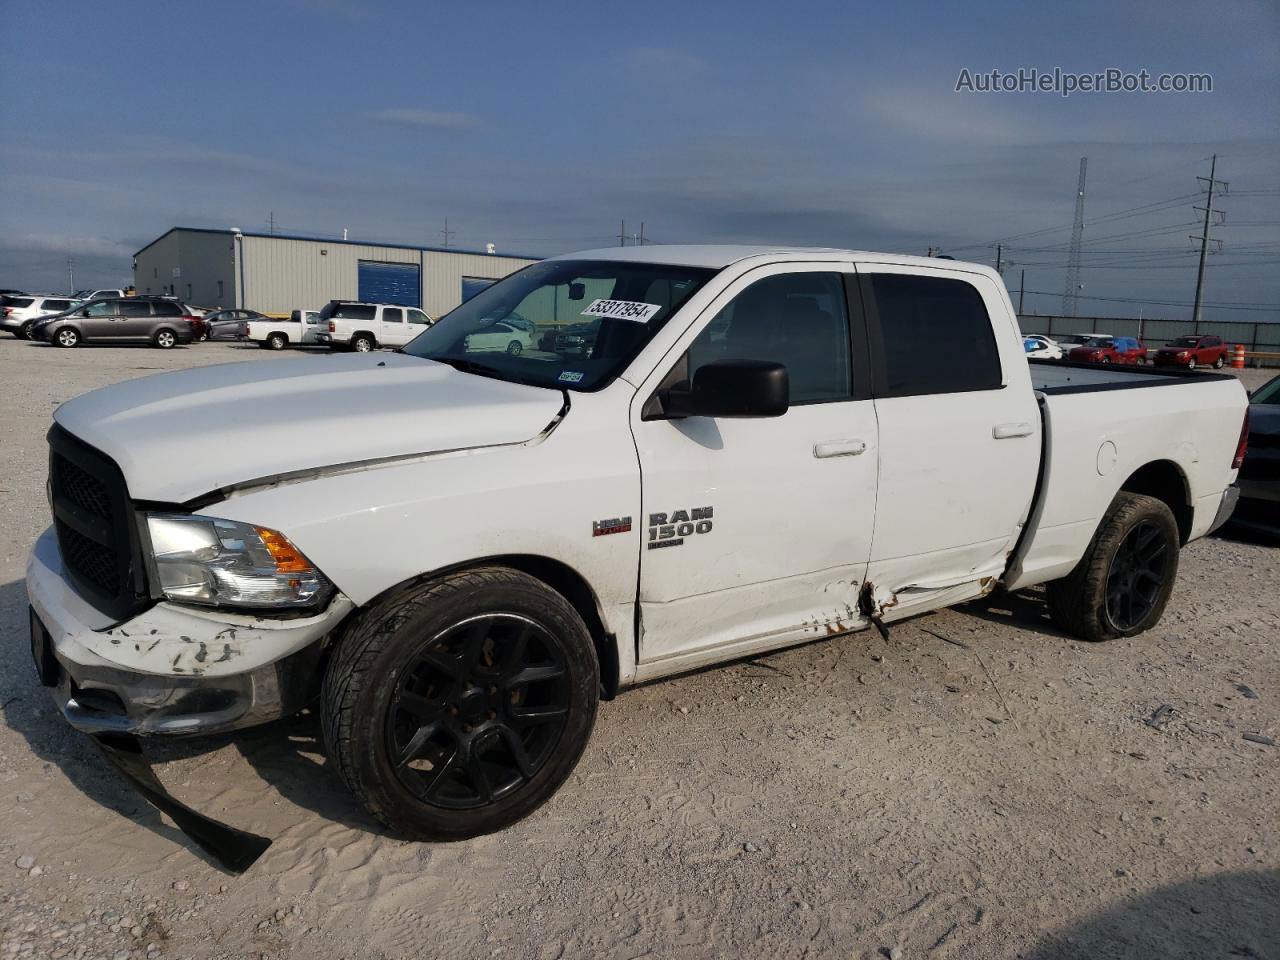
425 119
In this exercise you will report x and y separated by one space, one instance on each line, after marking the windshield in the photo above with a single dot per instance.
1098 342
1268 393
561 323
1185 342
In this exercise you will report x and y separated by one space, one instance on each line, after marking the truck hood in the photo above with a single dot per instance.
178 436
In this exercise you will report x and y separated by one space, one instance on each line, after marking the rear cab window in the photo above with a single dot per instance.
934 336
349 311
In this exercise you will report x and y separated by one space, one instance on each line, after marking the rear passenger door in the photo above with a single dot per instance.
134 320
959 434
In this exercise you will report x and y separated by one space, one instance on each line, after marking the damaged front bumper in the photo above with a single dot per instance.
171 670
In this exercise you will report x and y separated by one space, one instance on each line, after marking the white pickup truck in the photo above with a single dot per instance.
763 447
303 327
366 326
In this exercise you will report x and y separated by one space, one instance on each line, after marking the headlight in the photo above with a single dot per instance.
214 562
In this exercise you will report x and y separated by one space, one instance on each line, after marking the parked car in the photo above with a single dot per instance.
576 340
302 327
1259 507
1040 347
18 313
90 294
1102 349
154 320
230 324
499 335
366 326
1192 352
480 546
1069 340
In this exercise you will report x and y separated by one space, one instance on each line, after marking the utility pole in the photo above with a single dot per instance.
1022 289
271 222
622 234
642 233
71 275
1204 234
446 233
1071 289
999 251
930 253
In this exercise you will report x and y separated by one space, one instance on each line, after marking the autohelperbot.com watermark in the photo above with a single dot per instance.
1065 82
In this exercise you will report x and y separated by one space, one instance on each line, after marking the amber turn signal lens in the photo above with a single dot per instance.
288 558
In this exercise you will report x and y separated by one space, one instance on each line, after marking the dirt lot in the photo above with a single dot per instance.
997 793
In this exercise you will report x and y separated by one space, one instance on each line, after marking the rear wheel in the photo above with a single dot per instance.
165 339
67 337
277 341
514 348
1122 584
458 706
361 343
24 332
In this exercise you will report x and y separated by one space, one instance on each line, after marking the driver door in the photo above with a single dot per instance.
757 532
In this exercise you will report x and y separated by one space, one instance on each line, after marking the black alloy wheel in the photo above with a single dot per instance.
1137 573
478 710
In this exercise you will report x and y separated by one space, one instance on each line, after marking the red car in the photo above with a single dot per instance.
1125 350
1192 352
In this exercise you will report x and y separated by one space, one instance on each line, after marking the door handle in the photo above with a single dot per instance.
839 448
1005 431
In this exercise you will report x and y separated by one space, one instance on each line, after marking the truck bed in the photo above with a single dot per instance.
1059 377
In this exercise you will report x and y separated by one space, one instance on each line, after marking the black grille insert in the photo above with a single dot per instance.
94 520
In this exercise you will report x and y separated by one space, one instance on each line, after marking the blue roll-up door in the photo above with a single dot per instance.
389 283
473 285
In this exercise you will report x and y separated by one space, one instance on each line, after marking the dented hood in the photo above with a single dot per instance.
177 436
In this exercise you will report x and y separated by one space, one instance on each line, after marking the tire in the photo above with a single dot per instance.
1090 602
1106 359
277 341
1220 362
1191 364
67 337
514 348
165 339
24 331
361 343
445 656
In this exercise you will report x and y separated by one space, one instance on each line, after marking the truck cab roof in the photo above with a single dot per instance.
720 255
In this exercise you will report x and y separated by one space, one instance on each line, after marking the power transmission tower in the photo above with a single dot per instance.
447 233
1071 290
1204 234
622 233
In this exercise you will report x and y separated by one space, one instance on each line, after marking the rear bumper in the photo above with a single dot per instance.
170 670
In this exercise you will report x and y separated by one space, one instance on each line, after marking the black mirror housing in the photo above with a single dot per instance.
577 290
740 388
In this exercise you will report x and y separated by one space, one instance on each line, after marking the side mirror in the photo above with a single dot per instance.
577 290
740 388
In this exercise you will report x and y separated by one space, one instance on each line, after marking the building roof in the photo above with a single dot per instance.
333 240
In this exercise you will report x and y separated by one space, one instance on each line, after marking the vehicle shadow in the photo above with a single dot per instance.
1233 914
1025 608
1254 536
288 754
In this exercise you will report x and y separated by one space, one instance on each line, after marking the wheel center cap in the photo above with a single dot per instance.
474 706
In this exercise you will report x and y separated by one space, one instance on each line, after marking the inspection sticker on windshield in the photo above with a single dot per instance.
622 310
570 376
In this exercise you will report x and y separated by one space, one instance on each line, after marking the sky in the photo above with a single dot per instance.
539 128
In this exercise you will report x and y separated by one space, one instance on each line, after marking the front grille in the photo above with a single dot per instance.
94 521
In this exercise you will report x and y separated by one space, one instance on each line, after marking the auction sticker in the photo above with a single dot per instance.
570 376
622 310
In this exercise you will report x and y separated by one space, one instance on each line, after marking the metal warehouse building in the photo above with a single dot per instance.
277 273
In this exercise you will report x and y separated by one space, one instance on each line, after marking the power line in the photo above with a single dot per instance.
1262 307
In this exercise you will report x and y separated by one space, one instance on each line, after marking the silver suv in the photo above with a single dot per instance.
19 311
154 320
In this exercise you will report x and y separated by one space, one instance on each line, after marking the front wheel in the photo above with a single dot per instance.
1122 584
67 337
1191 364
458 706
1220 362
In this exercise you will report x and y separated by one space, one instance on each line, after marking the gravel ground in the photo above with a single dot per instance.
979 785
